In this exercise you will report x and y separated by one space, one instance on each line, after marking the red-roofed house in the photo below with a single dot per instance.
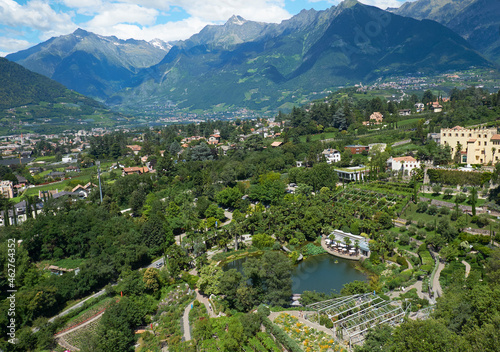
405 164
135 148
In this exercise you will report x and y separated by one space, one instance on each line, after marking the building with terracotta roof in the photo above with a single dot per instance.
134 170
404 165
478 145
135 148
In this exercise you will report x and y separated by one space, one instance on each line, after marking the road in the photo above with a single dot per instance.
101 292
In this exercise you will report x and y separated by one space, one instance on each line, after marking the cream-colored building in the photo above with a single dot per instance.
7 189
478 145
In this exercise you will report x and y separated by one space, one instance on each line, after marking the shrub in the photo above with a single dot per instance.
402 261
432 210
430 226
404 239
422 207
444 211
420 224
421 234
427 268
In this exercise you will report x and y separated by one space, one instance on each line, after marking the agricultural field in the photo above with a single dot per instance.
79 338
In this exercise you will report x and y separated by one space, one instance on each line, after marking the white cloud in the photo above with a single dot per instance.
37 15
12 45
221 10
383 4
112 14
167 32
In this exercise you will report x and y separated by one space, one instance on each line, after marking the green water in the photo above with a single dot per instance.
320 273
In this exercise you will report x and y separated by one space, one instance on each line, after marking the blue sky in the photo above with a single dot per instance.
24 23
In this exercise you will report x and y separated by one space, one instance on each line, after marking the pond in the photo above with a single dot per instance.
321 273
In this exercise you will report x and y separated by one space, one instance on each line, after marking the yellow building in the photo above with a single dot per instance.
478 145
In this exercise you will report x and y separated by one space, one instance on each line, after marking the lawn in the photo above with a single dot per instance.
480 202
411 213
69 263
408 121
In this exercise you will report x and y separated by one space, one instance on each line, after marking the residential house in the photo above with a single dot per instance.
214 139
55 174
404 164
376 118
358 149
435 107
72 168
135 148
331 155
404 112
35 170
419 107
135 170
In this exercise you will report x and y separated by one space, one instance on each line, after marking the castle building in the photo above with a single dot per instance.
477 145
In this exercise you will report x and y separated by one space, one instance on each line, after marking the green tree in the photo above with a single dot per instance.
210 278
425 336
262 240
228 197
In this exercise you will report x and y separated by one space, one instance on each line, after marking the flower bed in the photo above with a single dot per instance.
310 339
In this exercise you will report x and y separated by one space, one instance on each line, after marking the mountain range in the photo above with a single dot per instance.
31 102
91 64
247 64
477 21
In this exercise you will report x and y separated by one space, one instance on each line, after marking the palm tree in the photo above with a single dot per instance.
356 246
347 242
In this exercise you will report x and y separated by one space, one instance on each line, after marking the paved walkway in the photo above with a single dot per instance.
436 286
185 316
297 314
467 268
417 285
185 322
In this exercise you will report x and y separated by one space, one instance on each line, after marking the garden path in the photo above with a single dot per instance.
185 322
467 268
298 314
435 283
417 285
185 316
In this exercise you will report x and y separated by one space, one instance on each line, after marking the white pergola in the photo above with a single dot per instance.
353 316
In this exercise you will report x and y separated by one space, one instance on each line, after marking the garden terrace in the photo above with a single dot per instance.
352 316
369 200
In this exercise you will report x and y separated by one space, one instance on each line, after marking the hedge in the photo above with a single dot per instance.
455 177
